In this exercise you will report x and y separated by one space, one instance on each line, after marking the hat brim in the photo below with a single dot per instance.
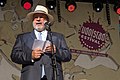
30 16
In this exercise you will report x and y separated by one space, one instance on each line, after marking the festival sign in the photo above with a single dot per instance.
92 35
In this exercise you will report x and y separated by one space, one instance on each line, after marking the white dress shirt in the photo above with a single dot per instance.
43 38
43 34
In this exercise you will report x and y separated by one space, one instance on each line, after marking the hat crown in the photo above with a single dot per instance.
41 8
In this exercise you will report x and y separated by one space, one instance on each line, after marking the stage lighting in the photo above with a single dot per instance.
70 5
27 4
97 5
2 3
117 8
51 4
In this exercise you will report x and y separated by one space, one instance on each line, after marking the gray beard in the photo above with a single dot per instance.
39 29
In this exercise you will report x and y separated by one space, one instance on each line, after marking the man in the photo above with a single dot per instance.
36 63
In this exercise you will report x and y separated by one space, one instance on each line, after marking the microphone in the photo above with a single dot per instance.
47 24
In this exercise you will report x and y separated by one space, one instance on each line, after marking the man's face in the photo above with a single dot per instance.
39 20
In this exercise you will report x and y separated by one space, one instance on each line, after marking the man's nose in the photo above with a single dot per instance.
38 18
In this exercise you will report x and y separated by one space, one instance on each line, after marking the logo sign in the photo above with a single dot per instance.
92 35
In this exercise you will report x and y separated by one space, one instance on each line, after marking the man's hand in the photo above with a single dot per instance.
50 49
36 53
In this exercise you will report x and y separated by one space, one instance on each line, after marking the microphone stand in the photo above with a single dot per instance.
53 58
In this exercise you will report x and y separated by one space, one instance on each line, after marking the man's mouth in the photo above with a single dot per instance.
39 23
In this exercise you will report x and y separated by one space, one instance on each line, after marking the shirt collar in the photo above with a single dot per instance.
43 32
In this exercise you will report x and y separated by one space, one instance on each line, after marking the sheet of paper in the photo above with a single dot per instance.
41 44
47 43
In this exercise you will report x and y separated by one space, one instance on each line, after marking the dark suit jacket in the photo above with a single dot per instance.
21 54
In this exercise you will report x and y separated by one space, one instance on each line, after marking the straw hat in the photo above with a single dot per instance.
43 10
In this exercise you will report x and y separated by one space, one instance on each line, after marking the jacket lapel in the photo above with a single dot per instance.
32 34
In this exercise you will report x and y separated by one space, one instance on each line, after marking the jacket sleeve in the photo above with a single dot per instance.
21 54
62 51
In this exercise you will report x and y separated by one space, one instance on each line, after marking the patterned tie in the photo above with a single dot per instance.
43 71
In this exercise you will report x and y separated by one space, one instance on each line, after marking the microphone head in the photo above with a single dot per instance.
47 24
